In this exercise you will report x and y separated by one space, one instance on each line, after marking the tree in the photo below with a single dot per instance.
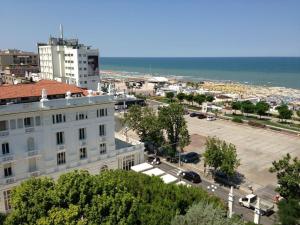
170 96
189 98
205 213
288 176
145 122
247 107
210 98
284 112
112 197
173 122
180 96
221 156
261 108
289 212
199 99
236 106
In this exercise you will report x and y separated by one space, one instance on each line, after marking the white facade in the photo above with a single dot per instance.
52 137
70 62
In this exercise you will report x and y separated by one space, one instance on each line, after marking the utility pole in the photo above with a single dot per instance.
230 202
257 212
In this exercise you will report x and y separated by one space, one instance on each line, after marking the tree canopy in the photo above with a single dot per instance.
210 98
288 176
236 105
189 98
289 212
221 155
180 96
261 108
112 197
284 112
170 95
173 121
247 107
199 99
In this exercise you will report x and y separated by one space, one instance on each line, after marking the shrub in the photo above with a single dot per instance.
256 124
237 120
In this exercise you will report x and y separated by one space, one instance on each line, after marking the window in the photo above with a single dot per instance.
7 170
82 153
101 112
20 123
3 125
30 144
28 122
13 124
37 120
7 199
60 138
58 118
61 158
82 133
84 68
32 166
102 130
102 148
5 148
81 116
128 162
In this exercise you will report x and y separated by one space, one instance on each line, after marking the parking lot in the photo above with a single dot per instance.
256 147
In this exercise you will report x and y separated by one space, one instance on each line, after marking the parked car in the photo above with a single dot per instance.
211 118
194 114
154 160
223 179
190 176
201 116
190 157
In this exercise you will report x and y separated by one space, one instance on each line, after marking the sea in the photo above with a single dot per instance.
264 71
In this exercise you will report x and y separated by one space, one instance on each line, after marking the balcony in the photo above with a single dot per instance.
10 180
32 153
7 158
29 129
4 133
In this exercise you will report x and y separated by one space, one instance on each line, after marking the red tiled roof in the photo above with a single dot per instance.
35 89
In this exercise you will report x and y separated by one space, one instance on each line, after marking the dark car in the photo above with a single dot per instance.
194 114
191 157
154 160
201 116
191 176
172 159
225 180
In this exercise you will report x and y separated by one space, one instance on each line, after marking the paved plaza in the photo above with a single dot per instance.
256 147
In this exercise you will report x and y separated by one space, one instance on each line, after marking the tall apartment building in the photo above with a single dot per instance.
53 136
66 60
17 62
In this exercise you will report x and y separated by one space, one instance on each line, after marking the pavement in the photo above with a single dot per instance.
220 191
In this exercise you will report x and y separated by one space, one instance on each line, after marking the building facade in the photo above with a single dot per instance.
66 60
52 137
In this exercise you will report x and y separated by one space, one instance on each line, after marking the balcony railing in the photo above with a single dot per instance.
31 153
10 180
4 133
29 129
7 158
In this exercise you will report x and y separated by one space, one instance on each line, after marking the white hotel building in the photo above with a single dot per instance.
51 137
66 60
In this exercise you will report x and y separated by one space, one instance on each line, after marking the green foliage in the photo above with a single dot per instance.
205 213
170 95
247 107
112 197
221 156
261 108
180 96
144 121
172 120
288 176
237 120
289 212
199 99
236 105
210 98
284 112
189 98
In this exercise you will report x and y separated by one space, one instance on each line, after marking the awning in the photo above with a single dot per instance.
141 167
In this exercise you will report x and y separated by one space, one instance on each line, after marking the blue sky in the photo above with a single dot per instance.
158 28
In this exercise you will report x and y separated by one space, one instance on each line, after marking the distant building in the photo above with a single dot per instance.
50 137
66 60
18 63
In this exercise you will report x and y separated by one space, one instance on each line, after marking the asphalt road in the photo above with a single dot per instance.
221 192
